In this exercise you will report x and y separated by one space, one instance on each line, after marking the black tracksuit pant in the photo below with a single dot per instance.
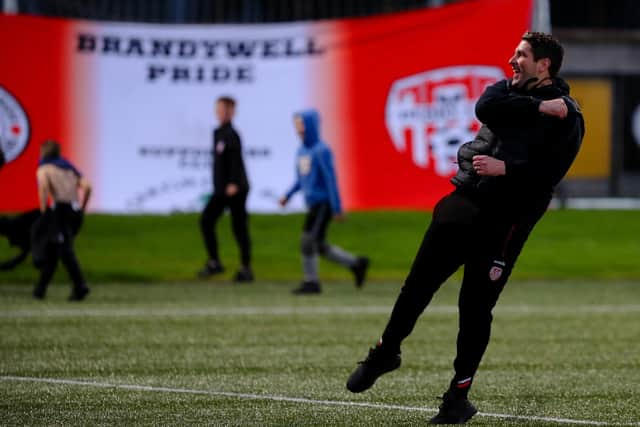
239 222
65 224
487 241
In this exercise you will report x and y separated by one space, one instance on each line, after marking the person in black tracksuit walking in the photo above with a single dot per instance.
231 188
531 134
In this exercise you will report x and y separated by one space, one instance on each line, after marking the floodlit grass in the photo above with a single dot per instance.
565 245
560 349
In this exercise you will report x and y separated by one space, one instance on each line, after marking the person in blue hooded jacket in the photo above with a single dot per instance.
316 178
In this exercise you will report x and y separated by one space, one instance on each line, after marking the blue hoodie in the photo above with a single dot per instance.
315 174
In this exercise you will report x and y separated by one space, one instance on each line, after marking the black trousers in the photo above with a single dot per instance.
239 222
487 241
64 224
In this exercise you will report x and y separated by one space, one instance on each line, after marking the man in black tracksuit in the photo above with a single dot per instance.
231 188
531 133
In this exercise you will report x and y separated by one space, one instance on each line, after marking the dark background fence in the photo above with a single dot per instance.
619 14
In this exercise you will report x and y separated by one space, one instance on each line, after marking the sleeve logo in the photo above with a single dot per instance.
220 145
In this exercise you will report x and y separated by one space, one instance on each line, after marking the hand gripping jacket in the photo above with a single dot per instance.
484 143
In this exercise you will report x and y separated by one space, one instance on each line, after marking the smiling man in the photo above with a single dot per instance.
531 134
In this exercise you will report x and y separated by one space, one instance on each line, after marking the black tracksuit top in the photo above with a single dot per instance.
537 149
228 165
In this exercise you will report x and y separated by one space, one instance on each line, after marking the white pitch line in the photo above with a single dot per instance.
196 311
304 311
302 400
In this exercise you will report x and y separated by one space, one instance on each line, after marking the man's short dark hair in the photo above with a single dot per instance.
545 46
227 101
50 149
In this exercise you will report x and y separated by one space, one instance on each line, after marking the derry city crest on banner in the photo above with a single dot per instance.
14 126
432 113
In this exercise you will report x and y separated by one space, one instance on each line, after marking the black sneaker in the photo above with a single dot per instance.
377 363
39 294
454 410
244 275
210 268
360 270
307 288
79 294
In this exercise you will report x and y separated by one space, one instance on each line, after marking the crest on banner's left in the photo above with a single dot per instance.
14 126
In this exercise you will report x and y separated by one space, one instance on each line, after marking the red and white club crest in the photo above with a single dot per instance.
433 113
14 126
495 273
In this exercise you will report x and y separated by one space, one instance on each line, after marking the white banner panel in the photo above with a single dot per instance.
154 109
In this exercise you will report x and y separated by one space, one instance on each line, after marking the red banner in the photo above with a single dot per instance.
132 103
33 85
409 84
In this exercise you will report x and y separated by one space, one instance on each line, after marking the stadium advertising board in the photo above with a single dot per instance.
595 98
631 124
132 104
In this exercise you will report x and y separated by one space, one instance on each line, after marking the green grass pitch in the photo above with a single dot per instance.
565 245
152 346
563 350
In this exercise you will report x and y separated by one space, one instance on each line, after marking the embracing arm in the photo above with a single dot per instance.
546 170
499 105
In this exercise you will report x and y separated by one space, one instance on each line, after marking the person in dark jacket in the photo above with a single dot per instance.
315 176
17 229
231 188
531 134
53 233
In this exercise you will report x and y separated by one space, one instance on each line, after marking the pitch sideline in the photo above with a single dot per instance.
302 400
301 311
